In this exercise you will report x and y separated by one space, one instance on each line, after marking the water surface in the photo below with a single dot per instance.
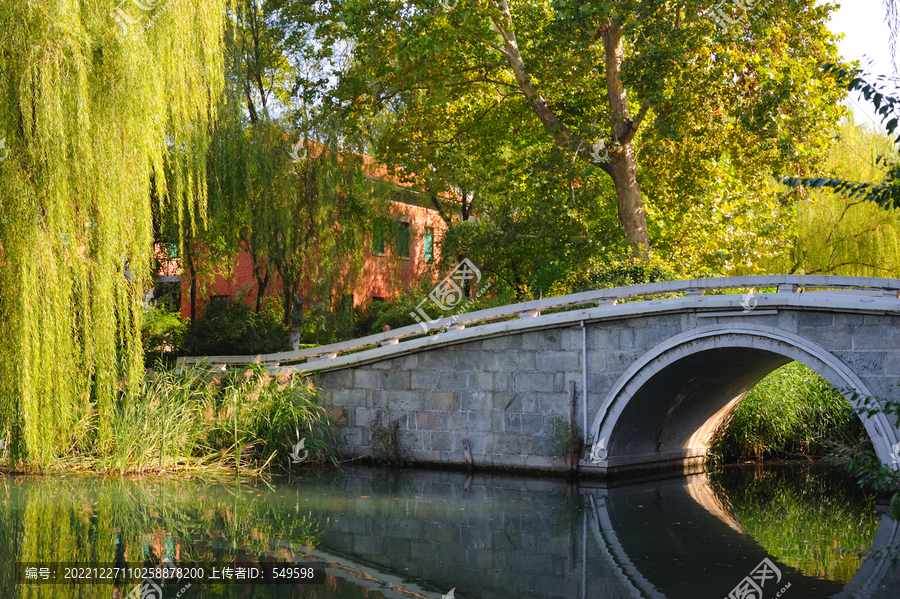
417 533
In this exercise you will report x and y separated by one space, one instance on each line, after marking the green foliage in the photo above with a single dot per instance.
791 412
811 519
622 273
717 114
560 433
233 329
162 333
387 446
833 233
241 420
99 119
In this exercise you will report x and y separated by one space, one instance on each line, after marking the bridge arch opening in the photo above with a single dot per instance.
667 406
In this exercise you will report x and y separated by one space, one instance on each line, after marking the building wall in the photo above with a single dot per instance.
382 276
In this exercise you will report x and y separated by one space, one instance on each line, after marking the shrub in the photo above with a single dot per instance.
236 330
162 333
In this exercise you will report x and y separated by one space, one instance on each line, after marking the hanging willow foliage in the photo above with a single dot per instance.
102 107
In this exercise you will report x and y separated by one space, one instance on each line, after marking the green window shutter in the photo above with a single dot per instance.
403 239
428 244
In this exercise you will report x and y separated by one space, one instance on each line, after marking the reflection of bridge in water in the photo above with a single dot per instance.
503 537
651 380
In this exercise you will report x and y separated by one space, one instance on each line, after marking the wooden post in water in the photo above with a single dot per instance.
467 453
571 453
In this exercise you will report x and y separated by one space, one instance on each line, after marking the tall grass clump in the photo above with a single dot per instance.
244 420
793 412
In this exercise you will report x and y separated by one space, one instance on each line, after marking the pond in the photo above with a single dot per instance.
748 532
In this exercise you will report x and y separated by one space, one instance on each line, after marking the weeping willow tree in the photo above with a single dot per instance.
287 185
104 107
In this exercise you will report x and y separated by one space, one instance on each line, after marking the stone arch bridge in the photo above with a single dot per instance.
647 371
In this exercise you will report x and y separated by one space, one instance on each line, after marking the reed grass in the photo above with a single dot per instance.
791 413
242 420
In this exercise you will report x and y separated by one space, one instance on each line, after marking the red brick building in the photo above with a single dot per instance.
391 261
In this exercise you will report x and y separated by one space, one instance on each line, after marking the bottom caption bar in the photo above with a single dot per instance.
194 573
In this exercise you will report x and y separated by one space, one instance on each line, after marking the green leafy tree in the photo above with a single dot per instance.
606 86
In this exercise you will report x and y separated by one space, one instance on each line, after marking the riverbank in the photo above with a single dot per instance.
199 421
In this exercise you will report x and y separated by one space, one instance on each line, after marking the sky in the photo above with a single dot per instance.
865 37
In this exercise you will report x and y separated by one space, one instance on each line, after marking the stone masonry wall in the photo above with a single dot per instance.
502 393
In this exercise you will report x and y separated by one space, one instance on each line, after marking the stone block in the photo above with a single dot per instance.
366 379
553 404
503 381
603 336
410 362
477 401
438 441
507 402
512 361
879 320
348 398
337 379
481 381
364 417
864 362
413 440
471 360
815 319
428 421
543 446
845 319
427 379
518 445
650 337
339 415
833 337
352 435
395 379
557 361
404 400
532 424
533 341
534 382
452 381
442 400
504 342
570 339
511 424
479 422
617 362
876 337
455 421
437 359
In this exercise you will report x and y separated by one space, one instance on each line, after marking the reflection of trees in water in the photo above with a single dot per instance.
801 514
86 520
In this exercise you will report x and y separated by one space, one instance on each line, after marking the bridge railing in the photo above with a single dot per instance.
534 308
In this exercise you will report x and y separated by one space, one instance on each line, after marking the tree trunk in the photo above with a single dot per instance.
622 166
623 171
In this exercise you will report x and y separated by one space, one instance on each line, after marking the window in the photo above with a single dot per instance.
378 240
219 300
403 239
428 244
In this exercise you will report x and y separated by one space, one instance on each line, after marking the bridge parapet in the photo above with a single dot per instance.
318 358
